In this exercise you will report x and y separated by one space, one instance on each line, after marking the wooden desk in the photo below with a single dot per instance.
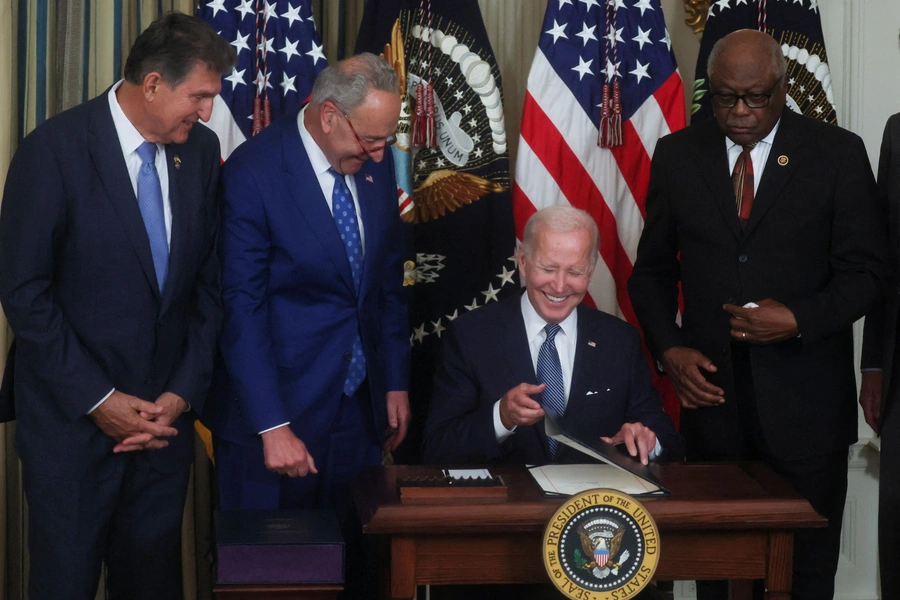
723 521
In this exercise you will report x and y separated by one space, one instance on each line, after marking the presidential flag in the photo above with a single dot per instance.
279 56
461 215
603 88
797 26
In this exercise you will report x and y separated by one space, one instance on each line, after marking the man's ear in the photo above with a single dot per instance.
330 114
150 85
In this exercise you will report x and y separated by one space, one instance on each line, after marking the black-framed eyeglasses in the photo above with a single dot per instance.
388 141
751 100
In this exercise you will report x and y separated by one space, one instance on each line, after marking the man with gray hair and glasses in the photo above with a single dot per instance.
315 338
769 223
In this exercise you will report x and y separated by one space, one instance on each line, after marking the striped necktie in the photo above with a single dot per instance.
742 180
549 372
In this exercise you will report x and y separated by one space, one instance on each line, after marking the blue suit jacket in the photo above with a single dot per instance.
291 312
485 354
79 289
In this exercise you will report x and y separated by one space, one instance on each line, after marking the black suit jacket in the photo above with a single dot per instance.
78 286
813 242
880 337
485 354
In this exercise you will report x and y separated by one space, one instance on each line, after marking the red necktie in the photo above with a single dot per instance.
742 180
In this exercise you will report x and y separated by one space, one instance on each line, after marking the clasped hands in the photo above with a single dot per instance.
137 424
767 323
517 407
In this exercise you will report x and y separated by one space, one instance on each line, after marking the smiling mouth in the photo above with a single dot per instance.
554 299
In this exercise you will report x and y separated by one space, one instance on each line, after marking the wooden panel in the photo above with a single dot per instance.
403 567
778 569
712 555
514 558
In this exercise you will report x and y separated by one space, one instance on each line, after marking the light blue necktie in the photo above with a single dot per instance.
345 218
549 372
149 197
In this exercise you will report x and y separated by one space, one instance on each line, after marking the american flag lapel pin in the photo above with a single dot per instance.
592 344
369 179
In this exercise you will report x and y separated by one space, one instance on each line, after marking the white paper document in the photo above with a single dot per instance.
567 480
467 473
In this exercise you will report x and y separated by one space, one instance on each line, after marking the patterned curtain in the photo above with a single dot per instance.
55 54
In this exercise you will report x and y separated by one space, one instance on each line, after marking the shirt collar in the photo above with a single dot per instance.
534 324
769 139
317 159
129 137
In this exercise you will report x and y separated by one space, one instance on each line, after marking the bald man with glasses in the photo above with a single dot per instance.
768 220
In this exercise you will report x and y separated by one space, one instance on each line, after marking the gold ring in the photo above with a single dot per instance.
743 335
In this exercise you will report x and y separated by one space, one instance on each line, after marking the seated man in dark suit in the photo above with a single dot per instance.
504 364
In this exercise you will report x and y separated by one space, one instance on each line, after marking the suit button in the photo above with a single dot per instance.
348 356
742 258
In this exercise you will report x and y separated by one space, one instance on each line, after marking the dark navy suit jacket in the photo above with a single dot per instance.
485 353
78 286
291 312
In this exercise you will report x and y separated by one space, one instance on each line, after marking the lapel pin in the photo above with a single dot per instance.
369 179
592 344
783 160
177 160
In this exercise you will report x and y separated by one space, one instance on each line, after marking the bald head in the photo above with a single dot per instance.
746 82
747 44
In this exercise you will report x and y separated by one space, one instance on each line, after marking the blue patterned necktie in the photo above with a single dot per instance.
345 218
549 372
150 202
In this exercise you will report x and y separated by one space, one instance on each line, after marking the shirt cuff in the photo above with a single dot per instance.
93 408
500 431
657 450
276 427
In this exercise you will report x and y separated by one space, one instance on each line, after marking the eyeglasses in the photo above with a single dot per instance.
388 141
751 100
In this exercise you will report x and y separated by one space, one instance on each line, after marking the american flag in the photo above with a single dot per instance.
584 45
279 57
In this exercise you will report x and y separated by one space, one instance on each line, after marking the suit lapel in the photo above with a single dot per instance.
303 186
713 162
585 354
788 144
365 190
106 153
518 354
178 200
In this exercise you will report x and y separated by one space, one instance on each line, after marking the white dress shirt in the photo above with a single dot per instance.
320 166
759 155
129 141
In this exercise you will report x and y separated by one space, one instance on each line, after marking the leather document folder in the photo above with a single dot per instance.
279 546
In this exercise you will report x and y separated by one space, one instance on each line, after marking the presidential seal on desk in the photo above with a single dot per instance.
601 545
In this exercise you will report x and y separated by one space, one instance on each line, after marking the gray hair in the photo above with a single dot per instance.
561 219
347 83
779 62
